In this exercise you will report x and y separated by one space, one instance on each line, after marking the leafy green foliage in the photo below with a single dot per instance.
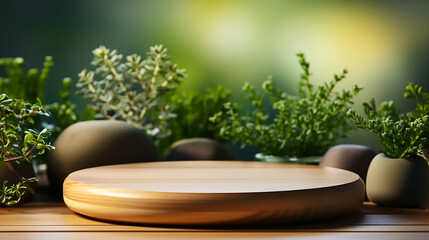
63 112
130 90
192 111
422 100
403 135
19 142
31 86
19 84
294 126
12 194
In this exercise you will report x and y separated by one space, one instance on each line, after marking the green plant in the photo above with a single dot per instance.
19 84
64 112
294 126
403 135
130 90
31 86
422 101
19 143
192 111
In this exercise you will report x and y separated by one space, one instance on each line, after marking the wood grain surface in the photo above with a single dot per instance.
53 220
213 193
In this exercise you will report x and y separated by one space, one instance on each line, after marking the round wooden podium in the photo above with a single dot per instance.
213 193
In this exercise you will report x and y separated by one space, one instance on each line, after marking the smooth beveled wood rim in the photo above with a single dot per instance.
89 194
214 208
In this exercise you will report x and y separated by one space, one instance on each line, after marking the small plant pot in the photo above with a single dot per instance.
25 170
276 159
398 182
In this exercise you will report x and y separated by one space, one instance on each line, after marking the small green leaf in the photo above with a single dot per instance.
10 203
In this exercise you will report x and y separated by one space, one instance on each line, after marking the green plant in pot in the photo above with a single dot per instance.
131 89
143 92
191 122
126 101
29 85
294 128
19 144
399 176
192 111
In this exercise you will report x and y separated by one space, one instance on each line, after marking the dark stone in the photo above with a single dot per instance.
97 143
198 149
351 157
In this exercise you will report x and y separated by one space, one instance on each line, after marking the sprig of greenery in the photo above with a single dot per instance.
192 111
19 84
294 126
19 142
12 194
64 112
403 135
31 86
422 100
131 90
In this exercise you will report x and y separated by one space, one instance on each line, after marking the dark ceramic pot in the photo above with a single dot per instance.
276 159
24 170
398 182
97 143
351 157
197 149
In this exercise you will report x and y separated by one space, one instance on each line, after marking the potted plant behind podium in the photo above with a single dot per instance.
125 94
144 93
19 145
295 129
192 135
29 85
399 177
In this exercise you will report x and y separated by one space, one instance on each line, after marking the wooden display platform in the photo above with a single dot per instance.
213 193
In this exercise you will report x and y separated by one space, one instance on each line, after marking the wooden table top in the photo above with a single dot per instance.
49 218
213 193
53 220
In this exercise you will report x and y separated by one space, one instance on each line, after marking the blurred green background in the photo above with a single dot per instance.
384 44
